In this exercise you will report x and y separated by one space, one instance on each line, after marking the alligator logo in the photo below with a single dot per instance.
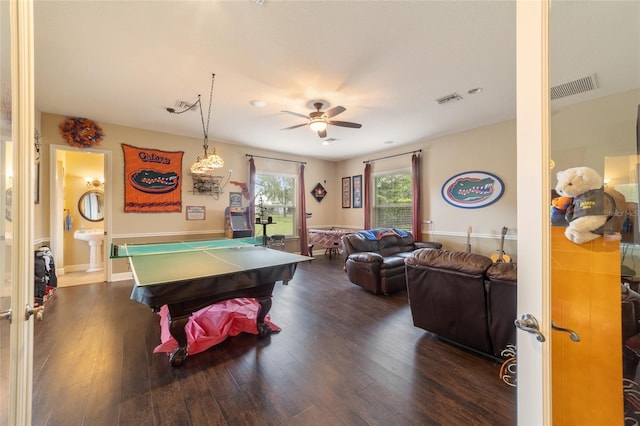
471 190
154 182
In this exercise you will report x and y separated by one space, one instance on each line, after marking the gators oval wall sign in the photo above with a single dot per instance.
154 182
472 190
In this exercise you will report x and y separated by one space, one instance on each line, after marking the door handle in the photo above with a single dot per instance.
6 315
529 323
38 312
572 334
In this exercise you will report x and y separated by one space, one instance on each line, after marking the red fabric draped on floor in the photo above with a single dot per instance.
213 324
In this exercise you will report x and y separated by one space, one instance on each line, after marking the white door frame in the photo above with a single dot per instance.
56 218
22 107
533 160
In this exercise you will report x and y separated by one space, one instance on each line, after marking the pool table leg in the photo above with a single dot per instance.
265 305
176 328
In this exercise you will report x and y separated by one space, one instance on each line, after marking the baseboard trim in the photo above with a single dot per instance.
121 276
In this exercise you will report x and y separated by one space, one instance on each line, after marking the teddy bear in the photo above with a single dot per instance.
594 211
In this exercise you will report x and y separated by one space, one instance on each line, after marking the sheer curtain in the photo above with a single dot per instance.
416 216
367 196
302 216
252 194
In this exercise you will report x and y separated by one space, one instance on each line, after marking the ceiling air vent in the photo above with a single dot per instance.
584 84
449 98
184 105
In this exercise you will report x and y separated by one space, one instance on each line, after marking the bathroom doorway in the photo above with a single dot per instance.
80 237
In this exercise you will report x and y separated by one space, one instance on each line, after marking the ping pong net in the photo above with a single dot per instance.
130 250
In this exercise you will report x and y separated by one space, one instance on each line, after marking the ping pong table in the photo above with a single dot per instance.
190 275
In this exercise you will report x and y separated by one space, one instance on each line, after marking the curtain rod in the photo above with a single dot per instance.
391 156
278 159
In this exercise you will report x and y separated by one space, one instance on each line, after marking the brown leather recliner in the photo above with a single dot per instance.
447 296
378 264
502 297
464 298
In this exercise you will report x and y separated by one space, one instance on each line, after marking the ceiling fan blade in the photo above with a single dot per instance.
334 111
295 127
296 114
322 133
345 124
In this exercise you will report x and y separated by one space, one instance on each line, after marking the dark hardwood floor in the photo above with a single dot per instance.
344 357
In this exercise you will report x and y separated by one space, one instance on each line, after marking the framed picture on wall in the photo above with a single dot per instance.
357 192
36 196
38 144
235 199
319 192
196 212
346 192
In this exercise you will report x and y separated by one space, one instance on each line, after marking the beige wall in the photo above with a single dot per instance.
491 149
144 226
586 133
131 224
579 130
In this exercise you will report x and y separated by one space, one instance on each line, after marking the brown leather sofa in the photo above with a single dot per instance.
374 259
502 293
463 298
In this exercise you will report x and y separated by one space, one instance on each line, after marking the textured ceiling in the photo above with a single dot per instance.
386 62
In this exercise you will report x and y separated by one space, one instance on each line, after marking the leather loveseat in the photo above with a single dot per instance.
374 259
463 298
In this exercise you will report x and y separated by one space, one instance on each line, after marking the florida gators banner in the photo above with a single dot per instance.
152 180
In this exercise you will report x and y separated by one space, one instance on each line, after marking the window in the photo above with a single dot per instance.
277 198
392 200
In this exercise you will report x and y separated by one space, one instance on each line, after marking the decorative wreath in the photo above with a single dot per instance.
81 132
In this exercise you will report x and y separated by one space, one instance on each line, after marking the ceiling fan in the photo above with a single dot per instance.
318 120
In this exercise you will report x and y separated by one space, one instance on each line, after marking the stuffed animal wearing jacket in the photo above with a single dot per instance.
594 211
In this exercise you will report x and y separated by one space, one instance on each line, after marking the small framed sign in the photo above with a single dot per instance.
196 212
235 199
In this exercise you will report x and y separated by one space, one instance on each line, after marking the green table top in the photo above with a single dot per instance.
165 263
127 250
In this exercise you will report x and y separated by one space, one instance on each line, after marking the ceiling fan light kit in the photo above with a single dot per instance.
318 125
319 120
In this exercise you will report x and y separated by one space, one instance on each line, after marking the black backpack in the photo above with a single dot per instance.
44 271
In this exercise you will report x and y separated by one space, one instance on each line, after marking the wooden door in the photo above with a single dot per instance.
586 375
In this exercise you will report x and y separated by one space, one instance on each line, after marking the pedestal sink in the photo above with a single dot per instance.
94 237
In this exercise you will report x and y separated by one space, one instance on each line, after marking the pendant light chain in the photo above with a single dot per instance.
213 76
205 129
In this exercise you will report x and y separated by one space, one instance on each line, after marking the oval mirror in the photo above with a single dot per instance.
91 206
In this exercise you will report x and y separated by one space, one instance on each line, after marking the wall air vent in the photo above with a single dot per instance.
581 85
449 98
